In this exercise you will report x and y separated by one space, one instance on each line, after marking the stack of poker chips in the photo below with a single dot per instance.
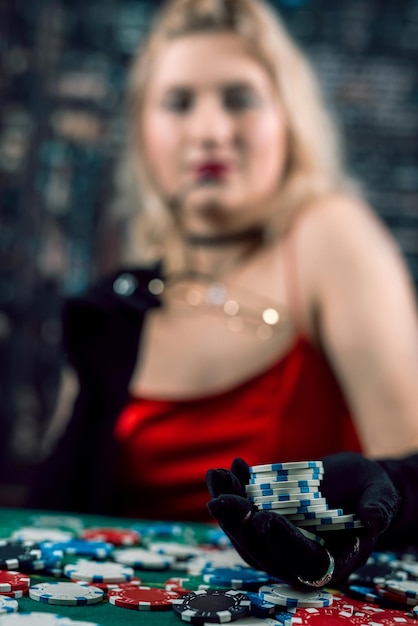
292 489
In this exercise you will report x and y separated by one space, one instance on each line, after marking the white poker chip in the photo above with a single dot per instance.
76 622
312 536
309 498
69 522
316 515
34 618
291 465
327 520
265 477
293 486
66 593
291 509
411 567
254 621
8 605
140 558
35 534
174 548
330 527
406 588
222 558
284 594
98 571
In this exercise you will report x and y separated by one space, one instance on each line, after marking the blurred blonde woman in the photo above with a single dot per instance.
262 310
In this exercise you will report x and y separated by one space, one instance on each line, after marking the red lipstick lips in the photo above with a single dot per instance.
212 169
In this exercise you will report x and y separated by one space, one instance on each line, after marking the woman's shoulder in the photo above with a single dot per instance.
340 229
334 212
339 246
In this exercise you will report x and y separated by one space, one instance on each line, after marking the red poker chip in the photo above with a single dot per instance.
395 597
177 585
328 616
115 536
384 617
134 582
13 581
142 598
15 594
342 603
361 605
319 619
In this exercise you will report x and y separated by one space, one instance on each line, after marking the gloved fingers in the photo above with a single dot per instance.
378 505
230 511
360 485
241 470
222 481
350 551
269 541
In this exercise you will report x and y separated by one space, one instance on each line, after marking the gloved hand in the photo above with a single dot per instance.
270 542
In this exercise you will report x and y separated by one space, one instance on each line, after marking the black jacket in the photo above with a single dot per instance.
101 335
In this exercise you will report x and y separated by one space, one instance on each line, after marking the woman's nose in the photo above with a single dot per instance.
211 123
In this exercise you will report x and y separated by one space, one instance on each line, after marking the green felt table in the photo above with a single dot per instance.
104 613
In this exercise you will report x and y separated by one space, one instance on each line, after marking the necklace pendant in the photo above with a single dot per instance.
216 294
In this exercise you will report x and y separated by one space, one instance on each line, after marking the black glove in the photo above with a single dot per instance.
270 542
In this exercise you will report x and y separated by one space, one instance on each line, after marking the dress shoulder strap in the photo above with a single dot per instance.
291 276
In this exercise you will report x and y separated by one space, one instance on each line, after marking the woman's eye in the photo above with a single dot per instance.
238 99
179 102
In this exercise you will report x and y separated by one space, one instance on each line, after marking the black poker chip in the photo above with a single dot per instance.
15 555
212 605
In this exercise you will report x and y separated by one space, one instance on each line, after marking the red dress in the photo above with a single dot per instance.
292 411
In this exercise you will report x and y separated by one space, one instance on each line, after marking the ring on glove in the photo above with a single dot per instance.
321 582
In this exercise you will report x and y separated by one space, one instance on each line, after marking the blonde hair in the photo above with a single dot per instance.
315 165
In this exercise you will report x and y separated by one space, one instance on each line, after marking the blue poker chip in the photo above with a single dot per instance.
286 616
235 577
161 530
384 557
369 594
217 537
259 607
81 547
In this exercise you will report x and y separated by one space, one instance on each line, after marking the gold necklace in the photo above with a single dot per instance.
204 292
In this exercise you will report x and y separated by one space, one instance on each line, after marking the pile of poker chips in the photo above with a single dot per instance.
292 489
242 593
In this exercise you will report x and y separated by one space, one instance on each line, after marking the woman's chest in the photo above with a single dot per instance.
209 337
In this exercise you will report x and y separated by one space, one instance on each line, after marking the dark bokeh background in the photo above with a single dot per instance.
62 76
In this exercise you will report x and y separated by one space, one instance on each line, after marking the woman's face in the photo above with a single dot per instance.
213 133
